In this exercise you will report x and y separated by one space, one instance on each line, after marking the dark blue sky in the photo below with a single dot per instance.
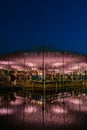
58 23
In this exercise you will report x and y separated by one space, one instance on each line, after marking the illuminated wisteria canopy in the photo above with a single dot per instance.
54 61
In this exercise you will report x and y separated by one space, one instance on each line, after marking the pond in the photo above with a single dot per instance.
24 111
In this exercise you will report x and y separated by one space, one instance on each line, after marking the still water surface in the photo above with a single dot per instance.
23 111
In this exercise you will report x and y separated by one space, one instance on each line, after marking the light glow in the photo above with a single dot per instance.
4 111
59 110
30 109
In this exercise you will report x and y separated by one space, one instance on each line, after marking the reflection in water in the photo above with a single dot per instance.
74 100
26 111
30 109
4 111
16 102
58 109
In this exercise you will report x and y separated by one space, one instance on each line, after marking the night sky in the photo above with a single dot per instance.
25 25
